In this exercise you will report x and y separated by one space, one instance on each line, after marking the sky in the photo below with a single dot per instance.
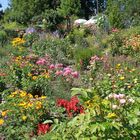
4 4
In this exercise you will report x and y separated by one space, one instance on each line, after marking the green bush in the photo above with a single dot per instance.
82 56
3 37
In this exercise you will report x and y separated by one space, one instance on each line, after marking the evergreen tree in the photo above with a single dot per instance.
69 8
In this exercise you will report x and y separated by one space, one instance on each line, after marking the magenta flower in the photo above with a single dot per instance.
75 74
52 66
41 61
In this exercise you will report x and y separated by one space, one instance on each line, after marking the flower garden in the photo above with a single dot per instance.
81 86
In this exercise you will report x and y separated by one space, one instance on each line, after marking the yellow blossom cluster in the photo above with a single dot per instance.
17 41
35 77
27 100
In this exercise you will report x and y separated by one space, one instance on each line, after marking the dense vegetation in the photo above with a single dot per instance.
62 80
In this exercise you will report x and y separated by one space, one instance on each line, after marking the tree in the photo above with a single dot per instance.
1 12
23 11
123 13
69 8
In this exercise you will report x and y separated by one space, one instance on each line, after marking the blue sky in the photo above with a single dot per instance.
4 4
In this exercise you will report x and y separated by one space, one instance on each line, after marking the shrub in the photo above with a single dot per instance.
3 37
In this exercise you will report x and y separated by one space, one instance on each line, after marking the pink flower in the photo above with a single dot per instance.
116 96
59 73
67 68
41 61
52 66
121 96
122 101
59 65
95 58
75 74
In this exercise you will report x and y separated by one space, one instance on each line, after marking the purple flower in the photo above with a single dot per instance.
30 30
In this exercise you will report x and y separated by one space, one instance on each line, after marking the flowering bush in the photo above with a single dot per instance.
21 113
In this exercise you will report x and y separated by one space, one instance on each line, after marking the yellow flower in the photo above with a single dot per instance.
24 118
10 96
23 93
47 75
29 105
29 74
22 104
43 97
3 113
122 78
111 115
30 95
133 70
129 86
118 65
17 41
14 93
34 77
1 121
38 105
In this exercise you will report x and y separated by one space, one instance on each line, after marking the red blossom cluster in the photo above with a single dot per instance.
43 128
71 106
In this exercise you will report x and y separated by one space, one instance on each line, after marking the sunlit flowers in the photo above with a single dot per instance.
17 41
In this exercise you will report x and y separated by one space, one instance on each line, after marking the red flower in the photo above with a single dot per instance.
71 106
43 128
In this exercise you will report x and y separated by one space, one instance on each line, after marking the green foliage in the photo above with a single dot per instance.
3 37
69 7
82 56
60 49
51 19
123 13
